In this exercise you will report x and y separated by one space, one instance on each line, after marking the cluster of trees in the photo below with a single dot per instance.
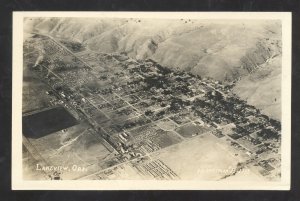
163 70
177 104
276 124
157 82
267 133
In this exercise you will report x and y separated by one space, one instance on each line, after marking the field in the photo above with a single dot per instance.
76 146
165 138
166 124
201 158
33 87
190 130
34 91
48 121
143 131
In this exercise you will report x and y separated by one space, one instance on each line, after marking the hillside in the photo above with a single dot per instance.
223 50
263 88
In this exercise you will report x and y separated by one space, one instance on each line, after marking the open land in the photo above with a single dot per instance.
48 121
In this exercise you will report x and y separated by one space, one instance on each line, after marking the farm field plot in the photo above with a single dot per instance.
165 138
143 131
200 158
167 124
191 129
46 122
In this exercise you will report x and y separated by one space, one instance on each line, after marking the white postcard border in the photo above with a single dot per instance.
19 184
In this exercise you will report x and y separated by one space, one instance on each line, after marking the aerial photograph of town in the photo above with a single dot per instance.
151 99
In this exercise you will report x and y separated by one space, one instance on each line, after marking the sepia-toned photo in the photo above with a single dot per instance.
151 100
